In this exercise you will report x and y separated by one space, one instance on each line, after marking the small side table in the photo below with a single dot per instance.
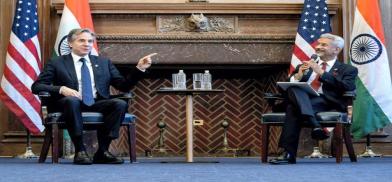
189 112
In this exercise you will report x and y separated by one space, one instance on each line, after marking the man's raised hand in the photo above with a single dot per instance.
145 62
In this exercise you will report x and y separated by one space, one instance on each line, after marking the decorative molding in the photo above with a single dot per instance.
183 23
198 1
196 38
20 137
224 24
206 8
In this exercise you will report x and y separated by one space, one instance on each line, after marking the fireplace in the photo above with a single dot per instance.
244 66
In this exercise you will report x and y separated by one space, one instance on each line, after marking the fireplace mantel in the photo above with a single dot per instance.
238 33
208 8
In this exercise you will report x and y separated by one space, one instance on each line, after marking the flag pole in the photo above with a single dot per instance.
29 150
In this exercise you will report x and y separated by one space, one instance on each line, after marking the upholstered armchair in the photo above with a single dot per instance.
54 124
340 121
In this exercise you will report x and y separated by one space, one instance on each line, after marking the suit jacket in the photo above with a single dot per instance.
340 78
60 71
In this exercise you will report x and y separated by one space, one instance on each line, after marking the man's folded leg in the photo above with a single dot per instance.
318 132
289 137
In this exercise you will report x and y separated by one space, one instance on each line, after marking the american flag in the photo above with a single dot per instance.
314 22
23 64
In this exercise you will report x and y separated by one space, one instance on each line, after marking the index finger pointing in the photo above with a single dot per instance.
150 55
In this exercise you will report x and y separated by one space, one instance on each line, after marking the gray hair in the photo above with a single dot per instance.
77 31
336 40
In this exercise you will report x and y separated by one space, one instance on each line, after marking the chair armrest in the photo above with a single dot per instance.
273 99
350 97
352 94
43 94
44 97
268 95
125 96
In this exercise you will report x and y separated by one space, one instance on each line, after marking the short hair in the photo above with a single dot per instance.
336 40
77 31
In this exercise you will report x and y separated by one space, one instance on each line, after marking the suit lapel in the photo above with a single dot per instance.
70 67
335 68
95 67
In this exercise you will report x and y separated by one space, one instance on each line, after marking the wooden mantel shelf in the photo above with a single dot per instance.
178 8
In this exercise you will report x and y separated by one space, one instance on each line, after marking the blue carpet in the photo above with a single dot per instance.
225 169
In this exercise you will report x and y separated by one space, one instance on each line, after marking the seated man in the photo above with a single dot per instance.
330 78
80 82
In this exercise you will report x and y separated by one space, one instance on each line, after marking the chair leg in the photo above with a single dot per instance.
349 143
264 142
55 144
132 142
338 142
129 142
332 148
61 143
46 144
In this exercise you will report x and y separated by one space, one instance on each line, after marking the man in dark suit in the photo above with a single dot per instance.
330 78
80 82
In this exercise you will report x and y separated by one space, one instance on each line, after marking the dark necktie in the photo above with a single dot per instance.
316 84
87 91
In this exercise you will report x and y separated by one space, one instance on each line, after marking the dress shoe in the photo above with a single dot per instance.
106 158
81 158
320 133
285 158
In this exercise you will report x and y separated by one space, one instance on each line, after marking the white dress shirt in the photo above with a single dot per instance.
78 65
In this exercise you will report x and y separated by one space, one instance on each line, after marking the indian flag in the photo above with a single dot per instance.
373 105
76 14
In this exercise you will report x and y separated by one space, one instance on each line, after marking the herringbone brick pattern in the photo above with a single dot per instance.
241 104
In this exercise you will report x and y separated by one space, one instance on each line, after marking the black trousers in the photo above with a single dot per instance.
300 105
113 111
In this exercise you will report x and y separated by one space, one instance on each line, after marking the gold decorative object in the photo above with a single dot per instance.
29 151
29 154
317 151
160 149
225 149
369 153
